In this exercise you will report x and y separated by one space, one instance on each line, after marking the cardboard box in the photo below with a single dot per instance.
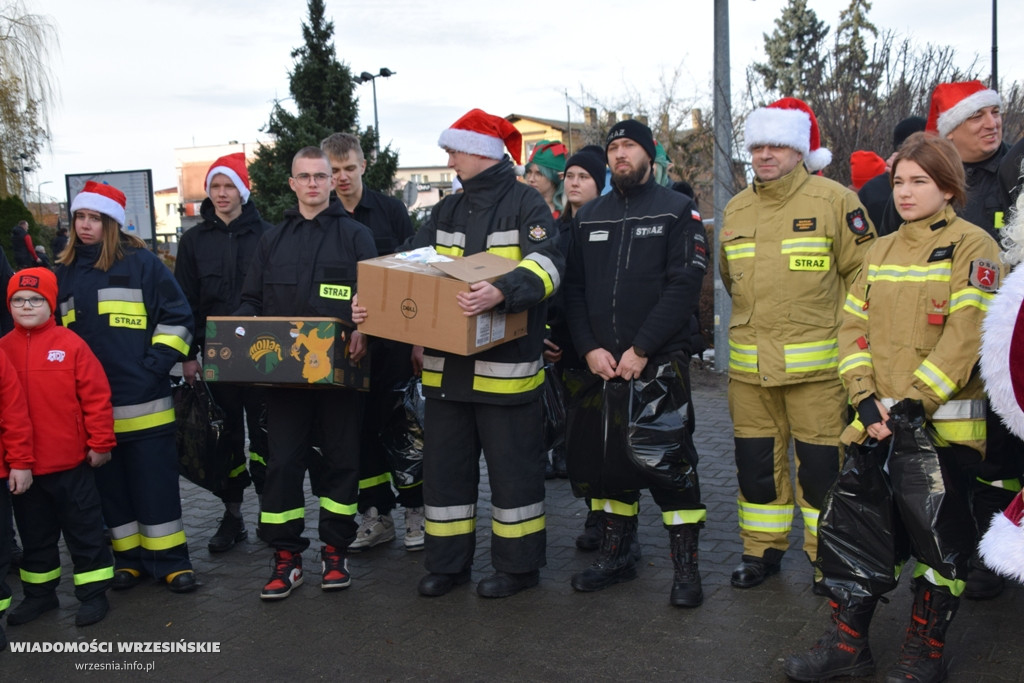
281 351
415 303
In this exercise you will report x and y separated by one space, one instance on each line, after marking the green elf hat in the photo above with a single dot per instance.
550 154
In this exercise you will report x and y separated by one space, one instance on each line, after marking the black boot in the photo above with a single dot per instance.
843 650
593 530
616 563
686 590
921 654
230 531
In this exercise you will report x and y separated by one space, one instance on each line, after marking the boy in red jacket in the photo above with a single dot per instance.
16 462
68 399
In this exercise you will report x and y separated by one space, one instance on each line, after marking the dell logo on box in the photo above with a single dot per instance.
409 309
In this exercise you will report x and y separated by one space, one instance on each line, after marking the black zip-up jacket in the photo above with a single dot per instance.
635 270
1010 175
213 259
307 267
386 218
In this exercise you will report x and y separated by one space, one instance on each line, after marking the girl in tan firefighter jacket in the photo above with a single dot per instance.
911 333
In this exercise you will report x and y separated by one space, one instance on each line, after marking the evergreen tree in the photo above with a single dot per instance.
795 51
322 90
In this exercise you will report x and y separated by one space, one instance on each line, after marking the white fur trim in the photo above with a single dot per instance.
997 332
471 142
232 176
962 110
1002 548
779 127
100 203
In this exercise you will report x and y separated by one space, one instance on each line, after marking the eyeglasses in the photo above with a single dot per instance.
306 177
33 302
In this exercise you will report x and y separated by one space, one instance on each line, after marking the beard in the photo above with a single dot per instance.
630 179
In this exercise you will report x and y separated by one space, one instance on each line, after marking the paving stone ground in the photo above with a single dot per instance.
381 630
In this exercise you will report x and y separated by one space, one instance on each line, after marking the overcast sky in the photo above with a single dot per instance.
139 78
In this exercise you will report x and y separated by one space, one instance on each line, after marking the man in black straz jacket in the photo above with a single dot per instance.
306 267
633 284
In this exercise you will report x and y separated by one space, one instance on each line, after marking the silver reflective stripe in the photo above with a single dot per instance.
141 409
66 306
506 238
451 239
433 363
161 530
516 515
125 530
119 294
450 513
492 369
964 409
179 331
548 266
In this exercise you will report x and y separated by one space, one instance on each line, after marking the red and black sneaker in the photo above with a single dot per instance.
335 568
287 575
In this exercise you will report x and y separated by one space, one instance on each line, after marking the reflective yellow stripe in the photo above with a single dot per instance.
961 431
39 577
282 517
855 360
808 356
494 385
145 421
458 528
810 516
742 357
955 586
674 517
94 576
519 529
410 486
514 253
5 604
176 343
1005 484
807 245
164 542
734 252
162 536
450 242
936 379
538 270
502 238
936 272
237 471
338 508
854 307
615 507
127 543
133 308
431 379
765 518
256 457
448 251
370 482
68 318
970 297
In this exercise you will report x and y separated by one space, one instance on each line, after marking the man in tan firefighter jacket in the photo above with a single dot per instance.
791 244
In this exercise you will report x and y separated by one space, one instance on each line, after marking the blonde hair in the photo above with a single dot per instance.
112 244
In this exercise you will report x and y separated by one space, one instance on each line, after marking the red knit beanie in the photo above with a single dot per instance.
40 280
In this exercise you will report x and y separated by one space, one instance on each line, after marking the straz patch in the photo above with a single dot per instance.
537 233
810 262
941 254
642 231
858 223
134 322
984 275
342 292
805 224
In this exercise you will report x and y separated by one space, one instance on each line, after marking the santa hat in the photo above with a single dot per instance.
103 198
233 166
483 134
788 123
864 166
1002 546
41 280
954 103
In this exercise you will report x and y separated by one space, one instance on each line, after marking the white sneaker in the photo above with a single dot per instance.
414 534
373 530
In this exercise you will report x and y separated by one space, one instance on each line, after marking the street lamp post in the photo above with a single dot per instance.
21 169
372 78
39 199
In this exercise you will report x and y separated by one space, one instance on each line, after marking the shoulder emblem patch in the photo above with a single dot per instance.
858 223
984 275
538 233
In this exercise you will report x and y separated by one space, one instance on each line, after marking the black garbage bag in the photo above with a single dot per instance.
860 538
401 433
554 400
932 500
622 436
204 451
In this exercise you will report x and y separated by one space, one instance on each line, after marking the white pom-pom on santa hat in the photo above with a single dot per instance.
1002 546
789 122
954 103
102 198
